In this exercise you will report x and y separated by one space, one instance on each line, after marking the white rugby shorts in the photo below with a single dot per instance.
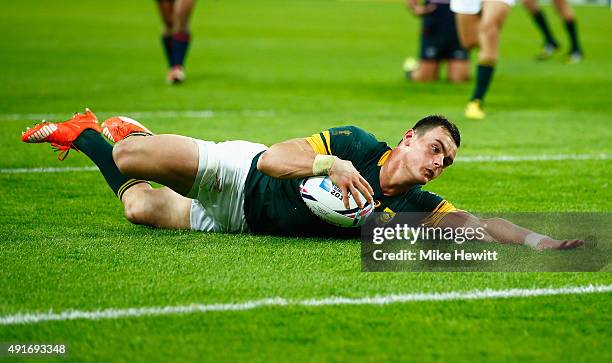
471 7
218 190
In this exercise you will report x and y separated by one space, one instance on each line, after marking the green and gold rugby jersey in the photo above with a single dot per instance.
275 206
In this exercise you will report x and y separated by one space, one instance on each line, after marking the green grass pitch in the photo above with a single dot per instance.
269 71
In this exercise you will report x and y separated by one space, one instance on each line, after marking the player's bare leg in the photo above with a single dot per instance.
166 11
171 160
492 18
160 208
182 13
458 70
566 12
494 14
531 6
143 204
564 9
467 30
181 38
550 43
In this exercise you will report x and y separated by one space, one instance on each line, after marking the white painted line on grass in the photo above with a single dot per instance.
141 114
33 318
47 170
519 158
467 159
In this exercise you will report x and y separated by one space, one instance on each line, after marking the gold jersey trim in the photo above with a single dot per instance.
320 143
438 214
384 158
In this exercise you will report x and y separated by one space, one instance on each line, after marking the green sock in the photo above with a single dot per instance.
92 144
484 74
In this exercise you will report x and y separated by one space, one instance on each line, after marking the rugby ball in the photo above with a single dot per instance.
324 199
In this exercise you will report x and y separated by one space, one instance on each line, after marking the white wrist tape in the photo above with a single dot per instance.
322 164
532 239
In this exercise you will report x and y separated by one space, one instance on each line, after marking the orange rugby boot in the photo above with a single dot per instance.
118 128
61 135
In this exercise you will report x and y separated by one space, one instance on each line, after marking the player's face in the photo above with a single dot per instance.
425 156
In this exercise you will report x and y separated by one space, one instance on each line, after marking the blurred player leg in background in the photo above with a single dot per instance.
176 36
479 24
167 13
439 41
550 44
459 69
180 39
575 54
425 70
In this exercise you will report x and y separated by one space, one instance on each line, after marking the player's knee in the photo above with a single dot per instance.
180 23
126 154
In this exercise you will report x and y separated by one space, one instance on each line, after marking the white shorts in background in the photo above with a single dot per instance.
218 190
471 7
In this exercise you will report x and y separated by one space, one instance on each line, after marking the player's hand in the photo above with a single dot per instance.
347 178
567 244
420 10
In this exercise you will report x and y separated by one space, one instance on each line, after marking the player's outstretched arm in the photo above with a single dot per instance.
503 231
296 159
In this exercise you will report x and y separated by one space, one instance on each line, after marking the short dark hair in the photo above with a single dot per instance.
427 123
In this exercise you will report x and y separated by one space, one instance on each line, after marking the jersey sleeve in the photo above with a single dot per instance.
433 205
441 210
345 142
